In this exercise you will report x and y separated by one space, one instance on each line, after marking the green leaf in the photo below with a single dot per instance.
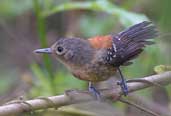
125 17
162 68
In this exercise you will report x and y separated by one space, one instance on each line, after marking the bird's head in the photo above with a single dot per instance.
70 51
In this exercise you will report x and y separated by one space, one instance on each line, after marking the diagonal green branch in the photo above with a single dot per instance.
72 97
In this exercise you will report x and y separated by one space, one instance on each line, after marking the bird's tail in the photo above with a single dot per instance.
130 43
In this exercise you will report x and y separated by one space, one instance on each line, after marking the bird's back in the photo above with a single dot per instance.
112 51
126 45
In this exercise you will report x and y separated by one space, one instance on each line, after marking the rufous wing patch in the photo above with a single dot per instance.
99 42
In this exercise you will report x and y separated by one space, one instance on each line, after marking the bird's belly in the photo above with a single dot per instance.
94 73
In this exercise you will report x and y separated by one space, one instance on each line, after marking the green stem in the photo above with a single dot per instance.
43 41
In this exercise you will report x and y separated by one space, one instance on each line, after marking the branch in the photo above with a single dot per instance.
72 97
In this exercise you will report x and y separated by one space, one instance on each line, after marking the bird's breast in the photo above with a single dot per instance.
94 72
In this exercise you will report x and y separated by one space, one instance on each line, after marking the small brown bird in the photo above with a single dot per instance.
98 58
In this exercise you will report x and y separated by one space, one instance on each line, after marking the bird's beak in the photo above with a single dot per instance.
43 50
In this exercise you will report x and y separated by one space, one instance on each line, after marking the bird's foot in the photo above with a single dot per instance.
95 92
123 86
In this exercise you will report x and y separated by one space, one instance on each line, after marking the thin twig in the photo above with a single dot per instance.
138 106
150 104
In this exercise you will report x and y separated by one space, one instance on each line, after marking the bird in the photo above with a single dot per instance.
99 58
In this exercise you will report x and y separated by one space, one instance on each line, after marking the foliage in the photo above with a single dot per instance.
125 17
42 36
62 81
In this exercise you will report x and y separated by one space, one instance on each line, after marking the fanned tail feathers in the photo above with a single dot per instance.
130 42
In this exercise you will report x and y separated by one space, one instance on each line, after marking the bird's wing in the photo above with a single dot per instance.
127 44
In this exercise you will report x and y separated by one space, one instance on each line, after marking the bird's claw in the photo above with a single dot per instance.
123 86
95 92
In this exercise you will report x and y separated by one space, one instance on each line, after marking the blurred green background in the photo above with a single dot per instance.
26 25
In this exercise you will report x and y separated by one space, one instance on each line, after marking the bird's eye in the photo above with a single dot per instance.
59 50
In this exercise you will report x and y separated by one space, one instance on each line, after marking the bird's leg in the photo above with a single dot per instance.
93 90
123 83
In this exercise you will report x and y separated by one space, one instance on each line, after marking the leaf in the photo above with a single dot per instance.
162 68
125 17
